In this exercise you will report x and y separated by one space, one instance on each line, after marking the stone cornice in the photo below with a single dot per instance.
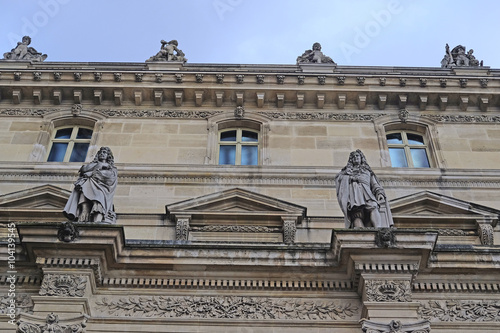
259 86
156 174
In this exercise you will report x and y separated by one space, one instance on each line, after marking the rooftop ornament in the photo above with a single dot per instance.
314 56
459 58
168 52
24 52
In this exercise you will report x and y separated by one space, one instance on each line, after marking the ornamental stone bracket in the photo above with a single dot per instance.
485 231
51 323
182 228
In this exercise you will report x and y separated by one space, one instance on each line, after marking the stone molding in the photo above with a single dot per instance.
240 284
460 311
227 307
73 263
63 285
388 291
462 287
165 174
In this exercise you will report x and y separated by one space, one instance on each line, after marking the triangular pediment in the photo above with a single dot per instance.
433 209
40 197
236 204
41 203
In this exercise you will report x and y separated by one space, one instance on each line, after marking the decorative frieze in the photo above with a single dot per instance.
63 285
229 307
463 118
388 291
235 228
66 263
460 311
23 304
321 116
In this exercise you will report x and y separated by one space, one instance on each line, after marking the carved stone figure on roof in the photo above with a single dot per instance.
314 56
459 58
92 197
360 195
169 52
24 52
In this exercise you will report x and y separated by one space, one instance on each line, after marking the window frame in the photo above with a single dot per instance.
239 143
407 147
225 121
422 126
71 142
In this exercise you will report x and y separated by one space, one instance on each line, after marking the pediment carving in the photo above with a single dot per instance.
437 211
37 203
236 214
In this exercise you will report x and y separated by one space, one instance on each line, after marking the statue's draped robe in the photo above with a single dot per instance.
358 188
97 186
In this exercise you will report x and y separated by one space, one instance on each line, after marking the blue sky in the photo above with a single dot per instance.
353 33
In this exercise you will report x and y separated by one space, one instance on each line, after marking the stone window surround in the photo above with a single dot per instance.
227 120
65 118
415 124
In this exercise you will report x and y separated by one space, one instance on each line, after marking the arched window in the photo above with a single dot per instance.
69 144
407 149
238 146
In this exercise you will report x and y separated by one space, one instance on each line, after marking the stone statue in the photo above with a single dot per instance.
92 197
24 52
169 52
314 56
459 58
360 195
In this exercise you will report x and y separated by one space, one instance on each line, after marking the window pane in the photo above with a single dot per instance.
394 138
228 136
419 157
415 139
248 136
249 155
227 155
398 157
57 152
79 152
64 133
84 133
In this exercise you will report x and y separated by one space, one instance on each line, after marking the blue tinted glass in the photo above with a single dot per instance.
57 152
394 138
79 152
398 158
248 136
249 155
227 155
84 133
228 136
414 139
64 133
419 157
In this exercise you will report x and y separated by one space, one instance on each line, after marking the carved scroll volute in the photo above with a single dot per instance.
289 230
485 231
182 228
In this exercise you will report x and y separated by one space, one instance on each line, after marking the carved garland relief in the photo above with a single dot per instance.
231 307
457 310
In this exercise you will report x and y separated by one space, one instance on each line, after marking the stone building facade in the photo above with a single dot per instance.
227 218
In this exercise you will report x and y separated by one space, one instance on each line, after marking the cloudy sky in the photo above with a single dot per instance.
353 33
